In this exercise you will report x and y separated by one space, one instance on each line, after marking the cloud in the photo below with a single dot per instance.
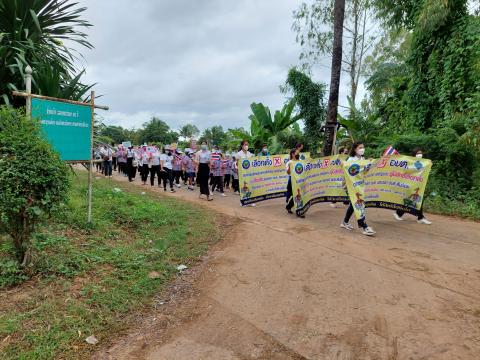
202 62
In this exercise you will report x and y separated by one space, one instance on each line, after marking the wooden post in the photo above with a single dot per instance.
90 170
28 87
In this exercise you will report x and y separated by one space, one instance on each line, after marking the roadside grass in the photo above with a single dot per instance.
93 280
468 208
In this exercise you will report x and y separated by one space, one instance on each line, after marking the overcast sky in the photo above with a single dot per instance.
191 61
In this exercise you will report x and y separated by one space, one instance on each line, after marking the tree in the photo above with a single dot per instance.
37 33
314 27
29 190
189 131
155 131
330 127
309 97
213 136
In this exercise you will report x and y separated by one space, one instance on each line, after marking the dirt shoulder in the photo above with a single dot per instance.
279 287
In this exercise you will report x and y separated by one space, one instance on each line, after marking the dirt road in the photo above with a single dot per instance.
279 287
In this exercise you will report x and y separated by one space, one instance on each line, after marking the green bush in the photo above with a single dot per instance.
33 179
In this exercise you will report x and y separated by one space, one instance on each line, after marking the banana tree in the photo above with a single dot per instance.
36 33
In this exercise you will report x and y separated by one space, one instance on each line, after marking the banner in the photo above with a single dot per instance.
127 144
263 177
316 181
396 182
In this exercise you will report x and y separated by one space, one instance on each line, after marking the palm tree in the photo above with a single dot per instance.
331 126
34 32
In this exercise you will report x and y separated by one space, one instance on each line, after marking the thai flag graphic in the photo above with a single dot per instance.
390 151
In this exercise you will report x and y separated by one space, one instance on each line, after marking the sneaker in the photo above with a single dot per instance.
399 218
172 190
346 226
424 221
179 186
301 216
223 194
368 231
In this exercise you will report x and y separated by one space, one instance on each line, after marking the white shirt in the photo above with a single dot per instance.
243 155
167 161
203 157
155 160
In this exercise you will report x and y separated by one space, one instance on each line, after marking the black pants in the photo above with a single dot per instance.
154 171
217 183
107 165
122 167
420 213
227 181
361 222
114 163
178 174
202 178
235 185
145 171
167 176
289 199
130 169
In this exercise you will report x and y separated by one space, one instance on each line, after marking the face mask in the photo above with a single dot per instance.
245 147
419 155
204 147
169 153
360 152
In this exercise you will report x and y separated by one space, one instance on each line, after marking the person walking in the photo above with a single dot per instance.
145 165
228 172
218 170
242 154
154 165
356 154
107 160
421 219
203 170
177 167
235 183
130 159
166 165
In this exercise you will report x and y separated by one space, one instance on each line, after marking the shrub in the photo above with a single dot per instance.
33 179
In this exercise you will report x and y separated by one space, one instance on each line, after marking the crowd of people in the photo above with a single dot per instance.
212 170
172 168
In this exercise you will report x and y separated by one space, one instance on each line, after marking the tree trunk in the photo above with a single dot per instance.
331 126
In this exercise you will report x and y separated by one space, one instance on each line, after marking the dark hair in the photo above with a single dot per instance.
416 150
354 147
242 143
292 153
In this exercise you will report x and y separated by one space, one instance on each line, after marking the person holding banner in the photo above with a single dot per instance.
356 154
289 194
421 219
203 170
264 151
234 172
243 153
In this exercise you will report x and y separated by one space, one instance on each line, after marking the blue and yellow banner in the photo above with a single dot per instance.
316 181
393 182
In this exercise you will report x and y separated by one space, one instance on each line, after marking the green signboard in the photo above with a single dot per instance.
66 126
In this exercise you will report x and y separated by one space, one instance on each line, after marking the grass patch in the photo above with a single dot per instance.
467 207
93 279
